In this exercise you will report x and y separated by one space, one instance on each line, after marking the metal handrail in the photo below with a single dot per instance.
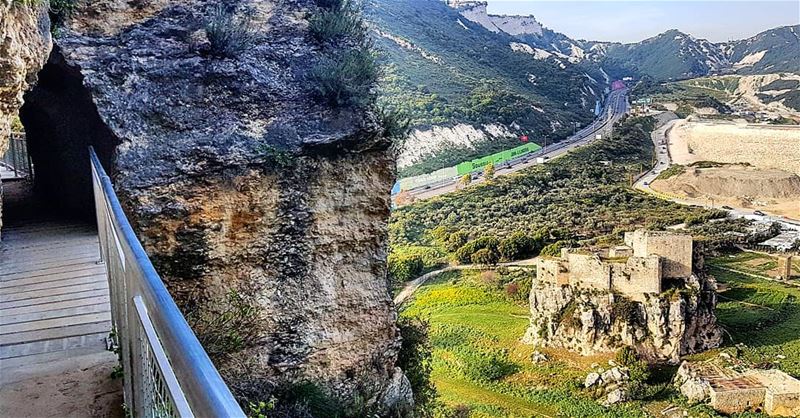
166 370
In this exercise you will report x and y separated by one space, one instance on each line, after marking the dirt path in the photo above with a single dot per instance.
412 286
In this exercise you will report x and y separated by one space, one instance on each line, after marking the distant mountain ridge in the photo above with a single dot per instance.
472 90
669 55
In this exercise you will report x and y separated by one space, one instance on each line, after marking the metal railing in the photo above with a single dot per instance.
16 161
166 372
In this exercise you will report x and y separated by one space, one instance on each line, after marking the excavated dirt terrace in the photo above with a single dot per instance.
773 190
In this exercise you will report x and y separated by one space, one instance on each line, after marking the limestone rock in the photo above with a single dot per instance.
591 380
691 384
616 396
251 194
660 328
25 44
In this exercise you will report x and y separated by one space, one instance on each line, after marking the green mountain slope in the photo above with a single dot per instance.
468 92
676 55
670 55
775 50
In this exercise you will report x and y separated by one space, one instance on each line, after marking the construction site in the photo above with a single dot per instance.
735 164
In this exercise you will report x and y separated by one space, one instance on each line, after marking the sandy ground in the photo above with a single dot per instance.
770 190
75 387
763 146
678 146
770 184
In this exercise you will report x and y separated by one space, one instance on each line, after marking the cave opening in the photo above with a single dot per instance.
60 122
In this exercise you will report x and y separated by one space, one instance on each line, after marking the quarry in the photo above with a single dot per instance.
760 146
734 164
649 294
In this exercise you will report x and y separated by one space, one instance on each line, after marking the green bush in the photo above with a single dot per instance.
485 256
228 33
638 369
347 78
415 358
519 245
554 249
455 241
672 171
339 22
464 254
408 263
404 267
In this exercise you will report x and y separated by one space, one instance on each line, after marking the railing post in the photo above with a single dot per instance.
13 155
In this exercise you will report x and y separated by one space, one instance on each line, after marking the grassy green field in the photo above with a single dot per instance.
761 314
482 369
479 363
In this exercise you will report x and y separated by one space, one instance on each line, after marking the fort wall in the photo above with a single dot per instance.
674 249
588 271
741 399
641 275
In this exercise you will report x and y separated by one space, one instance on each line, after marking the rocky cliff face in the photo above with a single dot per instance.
263 206
662 328
476 11
24 45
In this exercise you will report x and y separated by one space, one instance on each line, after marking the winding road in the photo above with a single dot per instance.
616 107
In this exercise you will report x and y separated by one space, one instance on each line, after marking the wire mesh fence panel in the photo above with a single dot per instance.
166 371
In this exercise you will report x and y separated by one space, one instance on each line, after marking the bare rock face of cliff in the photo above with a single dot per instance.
660 328
24 45
263 207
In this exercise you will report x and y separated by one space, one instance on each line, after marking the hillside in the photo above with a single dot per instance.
669 55
672 54
676 55
775 50
468 90
576 197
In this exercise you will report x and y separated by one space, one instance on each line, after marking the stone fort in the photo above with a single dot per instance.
637 268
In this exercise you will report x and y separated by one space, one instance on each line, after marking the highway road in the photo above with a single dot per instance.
616 106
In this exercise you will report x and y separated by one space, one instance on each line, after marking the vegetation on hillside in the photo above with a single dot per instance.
441 74
583 196
761 317
479 366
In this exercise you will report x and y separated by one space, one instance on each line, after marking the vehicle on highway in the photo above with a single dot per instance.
759 213
727 208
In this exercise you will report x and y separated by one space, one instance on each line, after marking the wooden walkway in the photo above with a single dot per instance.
54 320
53 293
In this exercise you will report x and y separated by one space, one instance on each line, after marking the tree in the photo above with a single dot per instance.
519 245
455 241
404 267
466 179
415 358
485 256
488 171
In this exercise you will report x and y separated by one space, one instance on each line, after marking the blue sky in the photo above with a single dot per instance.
634 20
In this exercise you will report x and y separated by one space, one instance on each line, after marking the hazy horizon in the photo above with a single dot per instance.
633 21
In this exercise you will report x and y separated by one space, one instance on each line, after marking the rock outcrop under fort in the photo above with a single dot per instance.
263 206
644 295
